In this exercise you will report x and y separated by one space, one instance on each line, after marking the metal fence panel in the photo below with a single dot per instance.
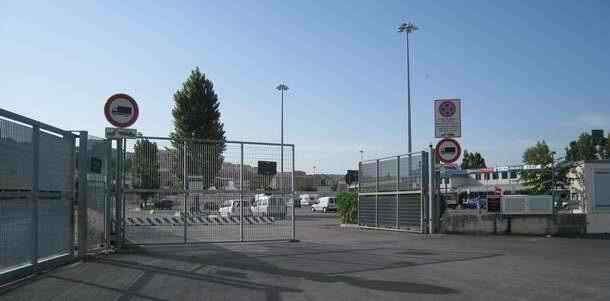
411 172
366 210
189 191
154 172
16 220
367 177
15 230
16 156
409 210
36 189
388 174
55 198
387 211
54 224
99 195
391 192
269 216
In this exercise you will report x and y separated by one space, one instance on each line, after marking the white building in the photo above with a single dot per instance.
589 184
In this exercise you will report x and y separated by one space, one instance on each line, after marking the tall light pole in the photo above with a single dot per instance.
408 28
282 88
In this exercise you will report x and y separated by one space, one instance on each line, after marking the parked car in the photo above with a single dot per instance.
325 204
232 208
166 204
269 206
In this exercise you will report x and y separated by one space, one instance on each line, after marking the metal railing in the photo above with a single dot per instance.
392 192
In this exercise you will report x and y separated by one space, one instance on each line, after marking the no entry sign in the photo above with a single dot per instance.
448 150
121 110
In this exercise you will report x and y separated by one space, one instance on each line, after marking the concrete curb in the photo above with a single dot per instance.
349 226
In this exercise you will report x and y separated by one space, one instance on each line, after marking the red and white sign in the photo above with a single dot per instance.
447 118
448 150
121 110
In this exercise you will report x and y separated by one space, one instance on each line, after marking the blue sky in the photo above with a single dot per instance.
526 70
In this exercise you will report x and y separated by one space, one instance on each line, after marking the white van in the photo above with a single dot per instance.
269 206
232 208
308 199
325 204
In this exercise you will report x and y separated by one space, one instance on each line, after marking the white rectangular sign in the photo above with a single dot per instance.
118 133
447 118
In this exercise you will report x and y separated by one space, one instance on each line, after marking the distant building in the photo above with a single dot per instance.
504 178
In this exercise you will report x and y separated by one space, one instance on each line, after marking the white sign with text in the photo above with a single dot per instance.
447 118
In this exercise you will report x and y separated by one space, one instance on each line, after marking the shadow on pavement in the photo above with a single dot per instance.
226 258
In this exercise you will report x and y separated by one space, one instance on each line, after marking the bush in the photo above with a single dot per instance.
347 207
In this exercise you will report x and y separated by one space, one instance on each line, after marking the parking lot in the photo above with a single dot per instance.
335 263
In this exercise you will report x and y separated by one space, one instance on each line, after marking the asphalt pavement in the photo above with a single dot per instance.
335 263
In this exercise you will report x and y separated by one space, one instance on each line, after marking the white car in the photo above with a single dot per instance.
269 206
232 208
325 204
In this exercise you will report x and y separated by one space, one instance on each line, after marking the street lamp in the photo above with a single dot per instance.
408 28
282 88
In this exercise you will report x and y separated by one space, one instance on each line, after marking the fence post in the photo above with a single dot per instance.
123 198
82 194
397 190
108 194
431 173
185 187
377 196
358 192
241 193
35 191
294 235
424 192
72 172
118 195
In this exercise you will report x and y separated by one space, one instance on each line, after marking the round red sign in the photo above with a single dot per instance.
121 110
448 150
447 108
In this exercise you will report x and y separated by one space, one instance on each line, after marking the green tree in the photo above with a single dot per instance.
197 116
347 207
540 180
585 148
145 167
473 161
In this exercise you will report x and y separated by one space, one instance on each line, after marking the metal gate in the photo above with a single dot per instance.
187 191
393 193
37 196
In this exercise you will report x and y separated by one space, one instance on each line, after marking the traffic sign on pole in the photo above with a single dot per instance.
447 118
121 110
448 150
